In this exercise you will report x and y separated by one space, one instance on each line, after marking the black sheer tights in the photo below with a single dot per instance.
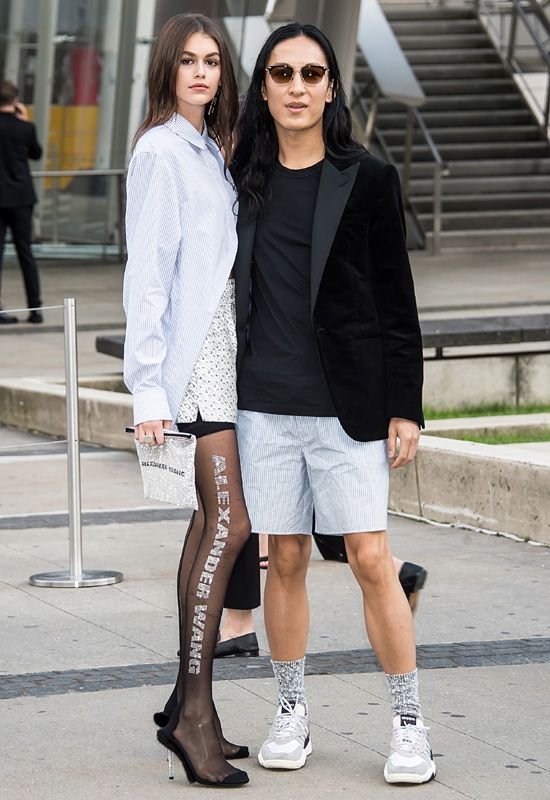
192 540
216 535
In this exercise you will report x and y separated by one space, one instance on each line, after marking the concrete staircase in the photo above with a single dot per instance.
498 191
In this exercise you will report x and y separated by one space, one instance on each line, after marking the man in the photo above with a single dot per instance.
330 373
18 143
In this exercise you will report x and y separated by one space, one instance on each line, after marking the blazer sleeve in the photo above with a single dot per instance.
395 300
35 150
153 235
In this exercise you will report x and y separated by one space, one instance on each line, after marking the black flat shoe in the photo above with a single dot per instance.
412 578
236 778
246 645
7 319
35 317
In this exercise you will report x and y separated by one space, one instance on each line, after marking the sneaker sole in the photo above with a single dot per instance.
411 777
275 763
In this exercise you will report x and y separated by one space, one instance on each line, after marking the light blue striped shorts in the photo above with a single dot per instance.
293 466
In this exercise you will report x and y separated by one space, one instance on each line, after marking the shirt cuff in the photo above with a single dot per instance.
151 404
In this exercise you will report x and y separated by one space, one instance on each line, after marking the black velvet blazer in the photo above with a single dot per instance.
363 305
18 143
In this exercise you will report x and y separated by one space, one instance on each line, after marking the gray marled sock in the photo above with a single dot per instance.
404 693
290 680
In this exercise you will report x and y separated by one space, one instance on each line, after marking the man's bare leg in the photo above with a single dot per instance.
388 616
286 606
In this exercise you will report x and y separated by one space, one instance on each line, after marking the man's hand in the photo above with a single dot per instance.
21 111
152 428
408 434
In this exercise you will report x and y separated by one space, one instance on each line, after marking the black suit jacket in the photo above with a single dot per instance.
18 143
363 305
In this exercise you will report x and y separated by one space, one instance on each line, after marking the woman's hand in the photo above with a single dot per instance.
408 434
152 428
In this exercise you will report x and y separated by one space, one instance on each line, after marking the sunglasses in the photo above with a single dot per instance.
311 74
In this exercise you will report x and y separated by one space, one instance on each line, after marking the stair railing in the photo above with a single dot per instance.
506 42
440 169
392 77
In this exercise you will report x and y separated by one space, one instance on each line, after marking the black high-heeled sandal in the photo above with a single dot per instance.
161 719
240 751
236 778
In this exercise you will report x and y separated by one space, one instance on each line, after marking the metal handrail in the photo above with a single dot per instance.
507 48
83 173
393 77
440 167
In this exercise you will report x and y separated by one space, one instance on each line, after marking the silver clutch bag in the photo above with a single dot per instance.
168 471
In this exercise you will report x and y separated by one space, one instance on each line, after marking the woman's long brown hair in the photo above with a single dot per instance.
161 80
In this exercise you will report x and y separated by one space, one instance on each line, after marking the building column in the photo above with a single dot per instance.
145 30
44 75
339 22
109 54
45 53
13 53
341 28
136 37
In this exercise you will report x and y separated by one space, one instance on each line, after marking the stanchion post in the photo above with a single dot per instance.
73 440
75 577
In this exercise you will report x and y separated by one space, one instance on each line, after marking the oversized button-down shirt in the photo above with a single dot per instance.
181 236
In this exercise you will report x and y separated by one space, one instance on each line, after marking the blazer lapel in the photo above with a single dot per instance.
334 190
246 231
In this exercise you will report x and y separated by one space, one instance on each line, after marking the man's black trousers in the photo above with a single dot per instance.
19 221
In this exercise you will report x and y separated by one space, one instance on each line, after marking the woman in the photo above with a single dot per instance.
180 347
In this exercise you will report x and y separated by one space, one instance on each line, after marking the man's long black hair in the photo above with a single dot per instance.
257 147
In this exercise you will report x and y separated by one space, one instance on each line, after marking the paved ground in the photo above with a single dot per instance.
83 670
81 666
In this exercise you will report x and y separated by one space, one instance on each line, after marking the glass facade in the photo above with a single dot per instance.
81 68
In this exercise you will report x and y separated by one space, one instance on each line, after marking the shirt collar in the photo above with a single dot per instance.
183 128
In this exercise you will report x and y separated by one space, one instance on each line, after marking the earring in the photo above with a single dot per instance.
213 104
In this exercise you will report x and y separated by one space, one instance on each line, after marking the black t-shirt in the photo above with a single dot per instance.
281 372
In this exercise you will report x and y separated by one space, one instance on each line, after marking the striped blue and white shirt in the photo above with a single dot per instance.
181 236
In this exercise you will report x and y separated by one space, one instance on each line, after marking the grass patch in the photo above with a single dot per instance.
485 411
502 438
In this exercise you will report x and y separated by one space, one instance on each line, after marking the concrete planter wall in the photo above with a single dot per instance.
38 405
498 488
510 380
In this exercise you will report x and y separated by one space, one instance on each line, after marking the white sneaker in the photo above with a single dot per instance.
411 759
288 744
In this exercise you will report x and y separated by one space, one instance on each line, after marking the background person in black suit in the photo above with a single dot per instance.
18 143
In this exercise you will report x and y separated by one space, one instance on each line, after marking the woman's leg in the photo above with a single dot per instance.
226 528
192 540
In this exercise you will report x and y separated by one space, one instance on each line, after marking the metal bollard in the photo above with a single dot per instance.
75 577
